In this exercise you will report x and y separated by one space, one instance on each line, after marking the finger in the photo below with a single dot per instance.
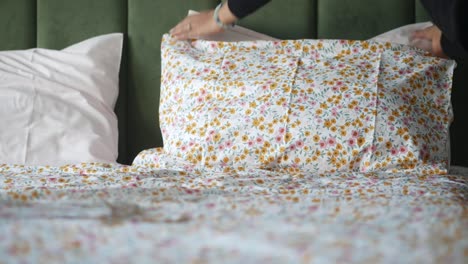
420 34
180 27
185 36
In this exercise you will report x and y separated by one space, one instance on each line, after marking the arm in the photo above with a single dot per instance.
449 17
242 8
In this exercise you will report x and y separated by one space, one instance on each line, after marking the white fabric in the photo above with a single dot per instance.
56 107
403 35
236 33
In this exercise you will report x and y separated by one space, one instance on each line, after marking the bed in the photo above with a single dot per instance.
163 209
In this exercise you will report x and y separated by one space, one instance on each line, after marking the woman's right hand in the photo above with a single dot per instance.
196 26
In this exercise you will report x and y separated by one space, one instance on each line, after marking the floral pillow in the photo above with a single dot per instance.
305 105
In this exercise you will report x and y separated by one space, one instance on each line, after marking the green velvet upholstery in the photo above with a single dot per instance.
59 23
17 24
148 20
293 19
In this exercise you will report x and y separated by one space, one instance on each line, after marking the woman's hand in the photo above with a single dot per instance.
433 34
196 26
202 24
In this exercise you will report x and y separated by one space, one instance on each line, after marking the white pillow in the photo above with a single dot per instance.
402 35
236 33
56 107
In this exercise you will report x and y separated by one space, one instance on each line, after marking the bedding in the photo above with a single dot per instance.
57 106
309 105
171 213
236 33
403 35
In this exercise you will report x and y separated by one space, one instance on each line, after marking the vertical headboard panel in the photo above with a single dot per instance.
285 19
17 24
148 21
59 23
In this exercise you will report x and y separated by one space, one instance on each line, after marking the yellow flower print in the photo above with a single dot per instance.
361 141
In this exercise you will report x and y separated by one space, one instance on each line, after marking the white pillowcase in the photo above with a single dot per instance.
56 107
402 35
236 33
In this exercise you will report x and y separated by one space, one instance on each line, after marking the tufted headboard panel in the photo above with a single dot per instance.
59 23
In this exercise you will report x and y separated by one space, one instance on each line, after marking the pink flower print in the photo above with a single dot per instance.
334 112
250 143
394 151
339 83
299 144
221 147
440 100
403 149
335 88
323 144
331 141
279 139
183 148
292 147
259 140
355 134
347 96
200 99
351 142
228 144
281 130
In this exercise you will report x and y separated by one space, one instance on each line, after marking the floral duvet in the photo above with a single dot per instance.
103 213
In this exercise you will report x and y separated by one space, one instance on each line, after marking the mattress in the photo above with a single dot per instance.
105 213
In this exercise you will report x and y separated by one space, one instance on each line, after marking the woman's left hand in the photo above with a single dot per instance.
433 34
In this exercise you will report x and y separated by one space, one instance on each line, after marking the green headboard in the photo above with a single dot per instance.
59 23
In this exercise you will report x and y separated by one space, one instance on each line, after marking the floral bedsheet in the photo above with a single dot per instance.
104 213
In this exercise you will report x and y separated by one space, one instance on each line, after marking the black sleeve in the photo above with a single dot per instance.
450 16
242 8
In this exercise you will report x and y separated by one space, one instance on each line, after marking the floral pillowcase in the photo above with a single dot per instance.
305 105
